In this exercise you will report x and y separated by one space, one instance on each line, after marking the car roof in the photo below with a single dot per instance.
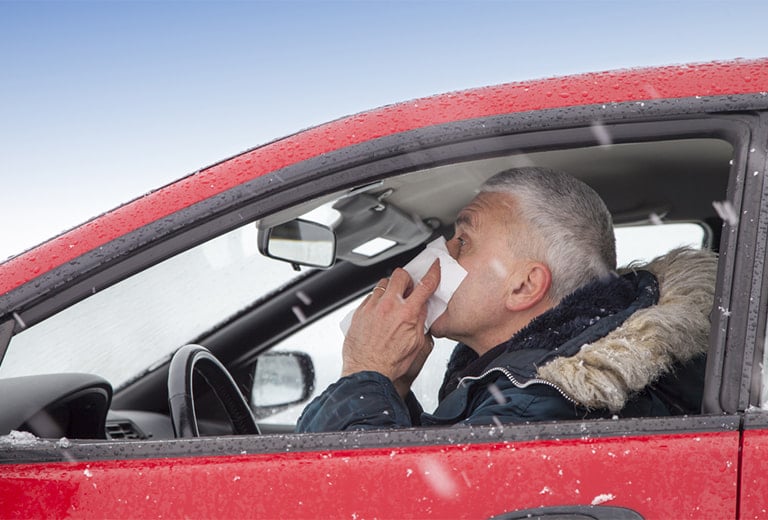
628 85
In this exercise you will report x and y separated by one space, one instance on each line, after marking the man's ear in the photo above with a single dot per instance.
530 288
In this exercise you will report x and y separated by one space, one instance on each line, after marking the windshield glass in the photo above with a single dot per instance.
121 331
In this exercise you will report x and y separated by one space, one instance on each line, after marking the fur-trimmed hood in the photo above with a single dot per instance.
608 371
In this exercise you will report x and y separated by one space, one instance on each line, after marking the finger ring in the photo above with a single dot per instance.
382 288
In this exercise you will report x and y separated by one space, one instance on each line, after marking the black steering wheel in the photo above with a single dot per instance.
192 360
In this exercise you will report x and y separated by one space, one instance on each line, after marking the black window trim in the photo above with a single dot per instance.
91 450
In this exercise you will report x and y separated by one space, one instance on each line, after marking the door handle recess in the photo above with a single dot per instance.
575 512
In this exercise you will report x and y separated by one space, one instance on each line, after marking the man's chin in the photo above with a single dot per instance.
438 327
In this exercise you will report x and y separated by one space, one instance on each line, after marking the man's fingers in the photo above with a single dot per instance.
399 283
428 284
380 287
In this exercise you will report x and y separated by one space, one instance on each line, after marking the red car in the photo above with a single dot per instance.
97 325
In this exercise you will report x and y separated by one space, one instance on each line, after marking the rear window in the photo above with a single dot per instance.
644 243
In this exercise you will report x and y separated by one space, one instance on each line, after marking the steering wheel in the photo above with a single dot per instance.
193 360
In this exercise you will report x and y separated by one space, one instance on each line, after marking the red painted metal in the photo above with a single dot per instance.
659 476
709 79
754 484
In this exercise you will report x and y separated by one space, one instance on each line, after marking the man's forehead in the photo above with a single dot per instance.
484 204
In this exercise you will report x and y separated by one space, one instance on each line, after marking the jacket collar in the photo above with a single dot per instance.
584 316
651 343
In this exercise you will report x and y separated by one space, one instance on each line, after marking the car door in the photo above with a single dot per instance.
748 365
681 466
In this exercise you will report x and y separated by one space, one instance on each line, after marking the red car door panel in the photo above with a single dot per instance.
754 487
658 475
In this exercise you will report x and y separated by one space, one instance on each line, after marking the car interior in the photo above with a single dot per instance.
362 232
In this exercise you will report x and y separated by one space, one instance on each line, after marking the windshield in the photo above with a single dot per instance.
123 330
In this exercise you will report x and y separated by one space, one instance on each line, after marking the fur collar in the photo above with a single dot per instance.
584 316
608 371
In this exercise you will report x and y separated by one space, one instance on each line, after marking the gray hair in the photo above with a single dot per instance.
571 226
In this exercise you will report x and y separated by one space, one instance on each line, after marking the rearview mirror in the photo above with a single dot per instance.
280 380
300 242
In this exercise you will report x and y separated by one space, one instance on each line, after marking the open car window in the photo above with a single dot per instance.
323 339
226 288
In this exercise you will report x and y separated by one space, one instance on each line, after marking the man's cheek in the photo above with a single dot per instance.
455 304
442 323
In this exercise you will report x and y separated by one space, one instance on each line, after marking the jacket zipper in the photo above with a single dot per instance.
517 383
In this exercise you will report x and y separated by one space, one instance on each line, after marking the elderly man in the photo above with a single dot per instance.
546 327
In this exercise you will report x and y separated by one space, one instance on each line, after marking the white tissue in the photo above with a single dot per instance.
451 275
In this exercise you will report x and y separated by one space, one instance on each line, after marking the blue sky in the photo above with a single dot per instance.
103 101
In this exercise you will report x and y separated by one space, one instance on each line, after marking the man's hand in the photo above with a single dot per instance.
387 330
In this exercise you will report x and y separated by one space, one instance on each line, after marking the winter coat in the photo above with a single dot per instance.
632 345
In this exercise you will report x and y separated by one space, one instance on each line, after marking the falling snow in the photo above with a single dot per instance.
299 314
726 212
496 393
301 295
20 321
498 268
439 477
601 133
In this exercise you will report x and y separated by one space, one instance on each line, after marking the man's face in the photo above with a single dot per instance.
476 314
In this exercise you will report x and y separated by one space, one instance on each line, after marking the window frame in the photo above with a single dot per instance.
350 167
